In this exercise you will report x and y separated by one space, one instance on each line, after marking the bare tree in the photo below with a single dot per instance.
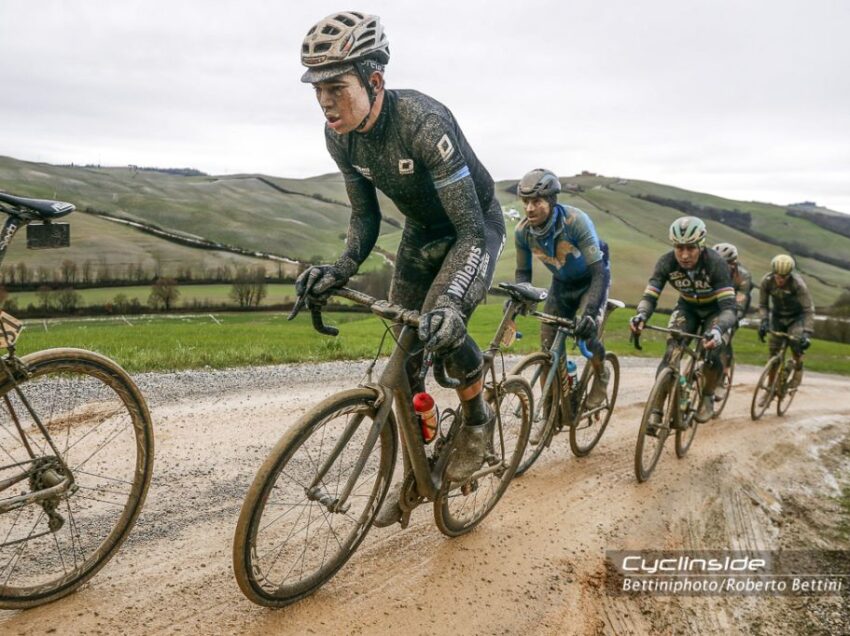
164 293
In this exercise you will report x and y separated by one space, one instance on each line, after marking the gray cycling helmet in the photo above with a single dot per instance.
335 45
538 183
728 251
688 230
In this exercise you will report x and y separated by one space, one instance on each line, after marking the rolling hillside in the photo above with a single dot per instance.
306 219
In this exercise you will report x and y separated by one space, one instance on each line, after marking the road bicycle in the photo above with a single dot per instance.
76 447
317 494
673 403
780 380
560 400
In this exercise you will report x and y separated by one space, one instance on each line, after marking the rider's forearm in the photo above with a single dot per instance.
363 228
466 263
599 283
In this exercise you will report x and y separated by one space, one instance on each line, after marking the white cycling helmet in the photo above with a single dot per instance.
728 251
335 43
688 230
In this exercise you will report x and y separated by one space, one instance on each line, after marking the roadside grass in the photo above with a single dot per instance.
159 343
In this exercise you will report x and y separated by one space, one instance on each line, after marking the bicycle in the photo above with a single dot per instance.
559 401
76 442
316 495
780 379
672 404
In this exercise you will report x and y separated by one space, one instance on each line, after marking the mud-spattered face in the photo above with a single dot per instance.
344 101
687 255
537 209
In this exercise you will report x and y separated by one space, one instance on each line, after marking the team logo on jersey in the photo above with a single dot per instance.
364 171
445 147
405 166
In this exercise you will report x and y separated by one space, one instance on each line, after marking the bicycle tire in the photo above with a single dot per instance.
685 437
261 554
721 396
451 502
100 424
663 395
581 443
783 402
533 368
766 387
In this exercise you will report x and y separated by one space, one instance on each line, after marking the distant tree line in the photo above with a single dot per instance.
99 273
838 224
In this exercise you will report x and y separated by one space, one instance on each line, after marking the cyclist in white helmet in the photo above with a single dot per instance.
410 147
706 300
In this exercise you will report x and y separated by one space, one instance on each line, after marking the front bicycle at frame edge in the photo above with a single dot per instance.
317 494
76 447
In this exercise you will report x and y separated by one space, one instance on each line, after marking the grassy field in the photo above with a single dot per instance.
185 342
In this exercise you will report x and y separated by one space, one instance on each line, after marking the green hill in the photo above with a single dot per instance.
306 219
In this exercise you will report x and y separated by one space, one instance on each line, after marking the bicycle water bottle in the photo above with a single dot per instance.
425 408
572 373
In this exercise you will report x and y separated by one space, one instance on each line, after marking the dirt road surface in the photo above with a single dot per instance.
535 565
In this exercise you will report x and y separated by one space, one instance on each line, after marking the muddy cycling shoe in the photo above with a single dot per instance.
390 512
599 391
654 423
471 446
706 409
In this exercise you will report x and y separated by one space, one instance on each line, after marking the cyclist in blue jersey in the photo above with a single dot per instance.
564 239
410 147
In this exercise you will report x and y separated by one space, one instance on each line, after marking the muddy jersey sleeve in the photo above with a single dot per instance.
743 291
805 300
523 254
720 280
764 296
583 236
656 283
365 222
436 146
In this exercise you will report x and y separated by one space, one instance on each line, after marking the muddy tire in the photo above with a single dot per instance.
587 429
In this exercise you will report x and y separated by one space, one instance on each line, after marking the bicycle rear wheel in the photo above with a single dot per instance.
655 426
292 537
534 368
724 387
457 510
793 377
85 485
589 426
765 389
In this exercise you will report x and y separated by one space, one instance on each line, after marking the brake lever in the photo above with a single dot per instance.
442 377
318 325
635 340
297 307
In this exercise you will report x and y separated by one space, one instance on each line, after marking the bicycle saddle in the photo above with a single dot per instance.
524 291
44 208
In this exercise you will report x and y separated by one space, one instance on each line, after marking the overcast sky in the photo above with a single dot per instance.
746 99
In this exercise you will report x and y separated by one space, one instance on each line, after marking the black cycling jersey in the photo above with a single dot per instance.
705 289
417 155
790 302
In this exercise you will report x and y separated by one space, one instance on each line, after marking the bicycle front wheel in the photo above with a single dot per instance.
534 368
77 434
590 423
656 423
793 377
721 395
294 533
765 388
457 510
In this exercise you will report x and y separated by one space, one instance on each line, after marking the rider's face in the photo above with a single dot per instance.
780 280
537 209
344 101
687 255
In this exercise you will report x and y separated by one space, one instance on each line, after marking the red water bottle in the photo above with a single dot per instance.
425 408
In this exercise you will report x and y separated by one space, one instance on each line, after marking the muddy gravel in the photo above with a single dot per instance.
535 565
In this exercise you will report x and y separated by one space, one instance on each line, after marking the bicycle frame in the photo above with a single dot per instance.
394 387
